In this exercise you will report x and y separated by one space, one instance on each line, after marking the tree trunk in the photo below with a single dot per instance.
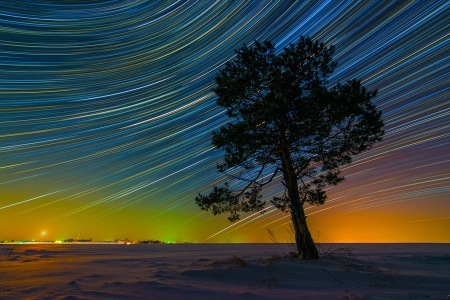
305 243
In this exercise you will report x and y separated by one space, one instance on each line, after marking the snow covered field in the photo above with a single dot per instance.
223 271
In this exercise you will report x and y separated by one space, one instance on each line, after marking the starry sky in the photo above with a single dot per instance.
107 109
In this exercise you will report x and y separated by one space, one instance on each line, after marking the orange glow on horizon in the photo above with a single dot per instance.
416 222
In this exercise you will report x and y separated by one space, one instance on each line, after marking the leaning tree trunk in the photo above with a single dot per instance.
305 243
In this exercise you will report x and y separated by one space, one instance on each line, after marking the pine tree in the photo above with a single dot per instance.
287 125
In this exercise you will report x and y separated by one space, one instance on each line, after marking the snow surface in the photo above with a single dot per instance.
217 271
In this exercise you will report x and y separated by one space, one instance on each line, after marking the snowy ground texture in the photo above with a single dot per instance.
223 271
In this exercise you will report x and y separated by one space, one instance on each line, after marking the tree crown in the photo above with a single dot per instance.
285 119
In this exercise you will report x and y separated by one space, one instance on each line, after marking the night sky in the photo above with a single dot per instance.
107 111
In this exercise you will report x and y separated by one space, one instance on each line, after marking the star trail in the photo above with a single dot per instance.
107 110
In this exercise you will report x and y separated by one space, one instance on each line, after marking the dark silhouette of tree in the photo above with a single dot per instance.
287 126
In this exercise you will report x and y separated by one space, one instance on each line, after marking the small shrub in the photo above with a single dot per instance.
239 262
274 256
291 255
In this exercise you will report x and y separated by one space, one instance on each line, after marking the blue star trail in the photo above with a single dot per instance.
107 110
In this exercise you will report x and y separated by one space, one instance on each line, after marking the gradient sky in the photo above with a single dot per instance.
107 113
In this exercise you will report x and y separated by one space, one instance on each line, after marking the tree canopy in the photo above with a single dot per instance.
287 124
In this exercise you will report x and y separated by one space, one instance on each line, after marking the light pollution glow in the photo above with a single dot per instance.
107 113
